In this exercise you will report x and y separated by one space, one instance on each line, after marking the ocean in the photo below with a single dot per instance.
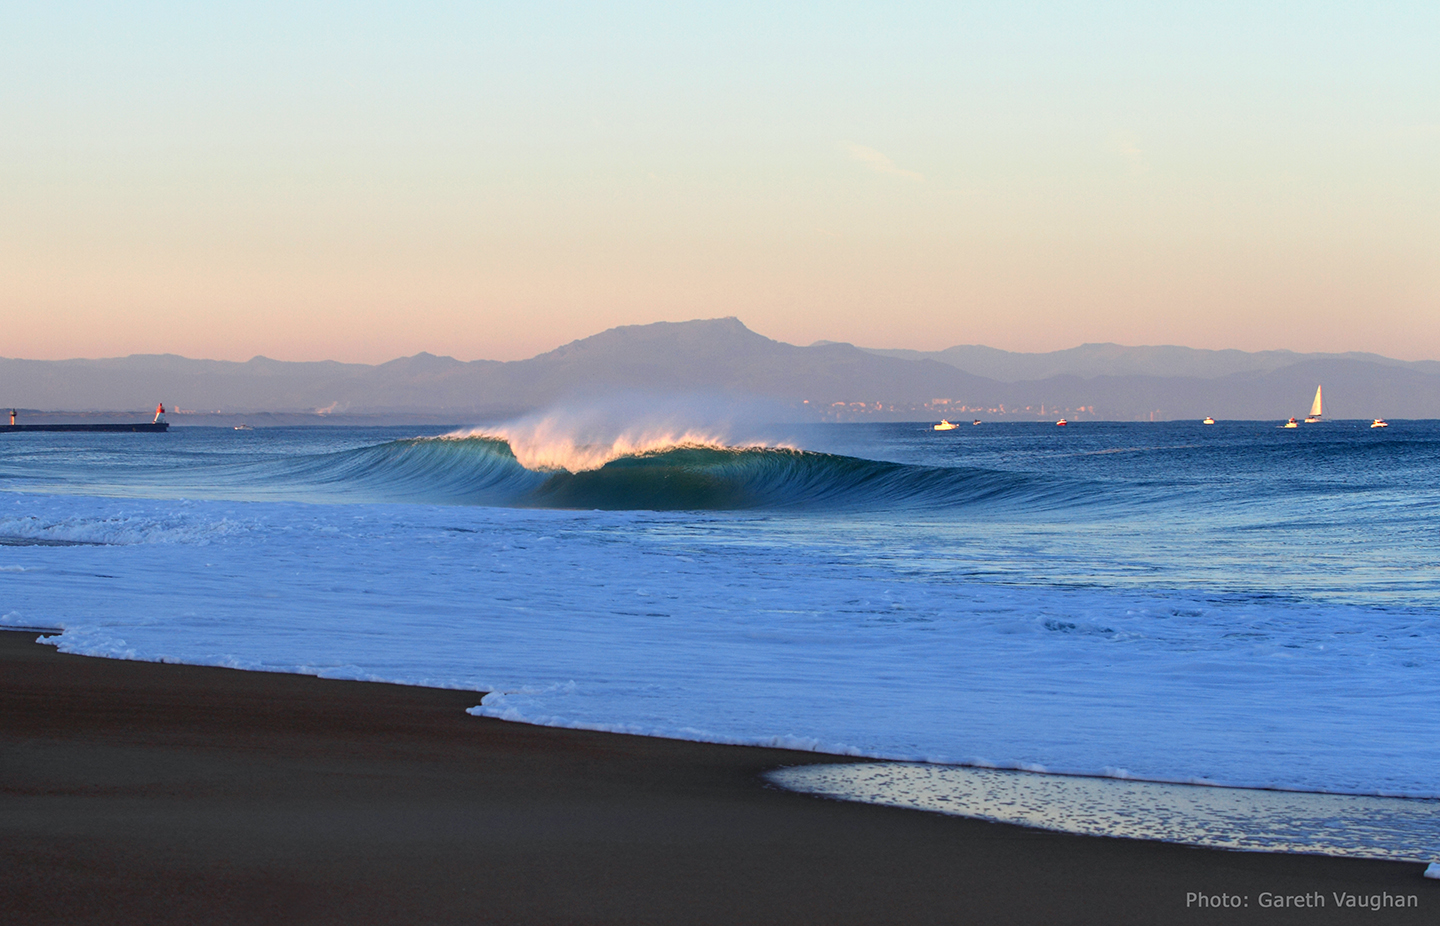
1235 604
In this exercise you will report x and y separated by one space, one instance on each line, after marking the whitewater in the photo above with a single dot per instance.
1234 604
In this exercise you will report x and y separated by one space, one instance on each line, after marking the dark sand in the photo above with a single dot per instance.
146 793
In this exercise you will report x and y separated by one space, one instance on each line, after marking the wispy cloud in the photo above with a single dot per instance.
880 163
1128 148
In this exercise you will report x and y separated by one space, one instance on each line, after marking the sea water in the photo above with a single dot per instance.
1233 604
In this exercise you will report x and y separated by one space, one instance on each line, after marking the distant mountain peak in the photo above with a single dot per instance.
708 333
422 361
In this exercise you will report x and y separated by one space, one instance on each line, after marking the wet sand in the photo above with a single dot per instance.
146 793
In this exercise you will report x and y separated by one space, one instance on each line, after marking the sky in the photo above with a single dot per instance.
363 180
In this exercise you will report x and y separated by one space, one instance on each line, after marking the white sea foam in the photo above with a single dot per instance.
1225 818
125 529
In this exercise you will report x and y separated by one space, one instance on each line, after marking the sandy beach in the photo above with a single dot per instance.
148 793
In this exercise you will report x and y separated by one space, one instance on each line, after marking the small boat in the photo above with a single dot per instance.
945 426
1061 423
1316 408
1292 423
243 427
1208 420
1379 423
976 421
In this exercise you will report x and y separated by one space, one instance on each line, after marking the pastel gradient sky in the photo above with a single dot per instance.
364 180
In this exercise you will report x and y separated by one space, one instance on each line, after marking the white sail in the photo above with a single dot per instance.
1317 408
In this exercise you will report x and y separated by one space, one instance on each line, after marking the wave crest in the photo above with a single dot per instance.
548 446
669 472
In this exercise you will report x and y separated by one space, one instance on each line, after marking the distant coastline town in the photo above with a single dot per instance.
938 408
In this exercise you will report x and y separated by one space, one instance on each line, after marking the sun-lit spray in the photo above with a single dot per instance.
581 438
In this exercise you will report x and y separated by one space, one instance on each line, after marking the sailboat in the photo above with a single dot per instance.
1316 408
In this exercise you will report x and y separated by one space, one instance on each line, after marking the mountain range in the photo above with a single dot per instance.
724 358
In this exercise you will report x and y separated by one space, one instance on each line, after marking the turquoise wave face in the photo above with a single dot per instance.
475 470
485 471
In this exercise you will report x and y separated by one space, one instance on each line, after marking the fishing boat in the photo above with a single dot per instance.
945 426
1317 408
1208 420
1379 423
1292 423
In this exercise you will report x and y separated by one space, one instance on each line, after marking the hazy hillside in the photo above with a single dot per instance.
715 356
1090 360
722 357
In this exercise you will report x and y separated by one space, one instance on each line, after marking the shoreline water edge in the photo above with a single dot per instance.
167 793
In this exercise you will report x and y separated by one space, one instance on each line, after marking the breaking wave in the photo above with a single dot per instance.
689 472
